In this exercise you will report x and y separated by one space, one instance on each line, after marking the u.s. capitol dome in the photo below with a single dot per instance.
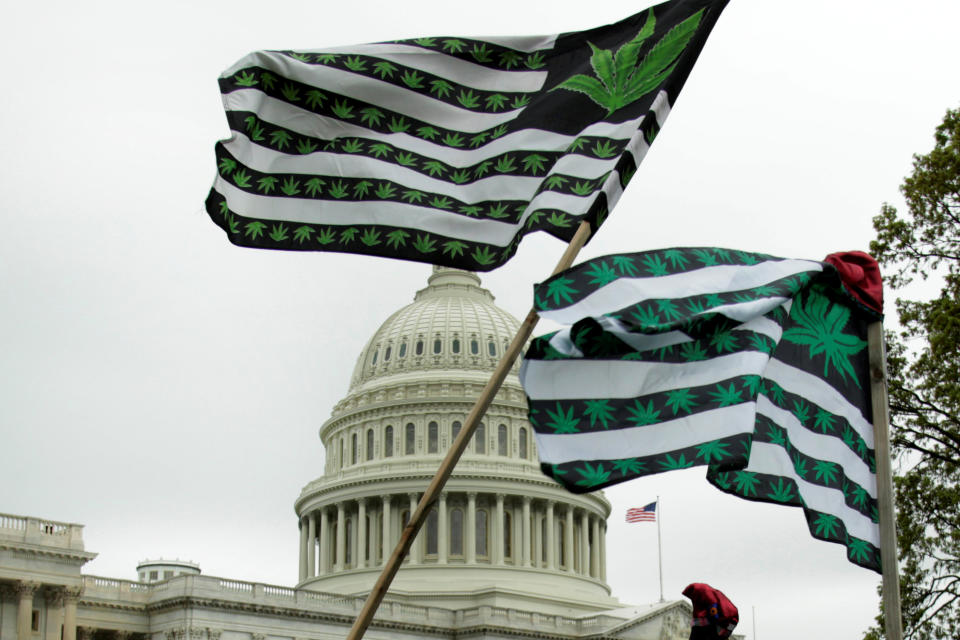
501 532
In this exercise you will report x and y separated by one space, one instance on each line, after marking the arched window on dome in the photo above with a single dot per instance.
343 461
455 345
369 444
388 442
492 347
474 346
376 352
480 439
353 449
433 437
455 430
481 537
432 538
522 441
418 348
507 536
403 349
410 441
456 532
437 344
386 354
502 440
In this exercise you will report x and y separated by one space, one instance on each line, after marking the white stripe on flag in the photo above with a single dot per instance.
743 311
819 392
414 218
566 379
629 442
626 291
399 99
461 71
773 459
337 212
307 123
819 446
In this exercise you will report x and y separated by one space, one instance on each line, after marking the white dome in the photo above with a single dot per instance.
451 324
501 532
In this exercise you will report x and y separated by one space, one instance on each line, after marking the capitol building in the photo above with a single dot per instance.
505 552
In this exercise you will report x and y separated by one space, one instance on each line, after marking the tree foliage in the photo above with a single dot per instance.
924 367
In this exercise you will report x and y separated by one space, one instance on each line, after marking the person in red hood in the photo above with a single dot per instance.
714 616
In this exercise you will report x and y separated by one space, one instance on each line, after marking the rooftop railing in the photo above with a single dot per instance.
239 591
26 529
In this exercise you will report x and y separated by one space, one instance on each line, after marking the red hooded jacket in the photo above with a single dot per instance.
712 608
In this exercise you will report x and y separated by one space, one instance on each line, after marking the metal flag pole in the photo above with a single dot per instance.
457 448
888 534
659 548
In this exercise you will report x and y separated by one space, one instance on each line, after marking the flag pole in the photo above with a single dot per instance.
659 548
457 448
888 533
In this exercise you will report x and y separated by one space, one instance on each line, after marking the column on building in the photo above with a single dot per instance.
386 542
303 522
537 534
360 551
595 548
70 599
341 537
585 544
414 554
603 550
311 559
24 591
324 535
568 540
471 550
517 533
498 545
525 523
551 537
54 600
443 530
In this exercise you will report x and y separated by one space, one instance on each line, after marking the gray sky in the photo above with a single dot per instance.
165 388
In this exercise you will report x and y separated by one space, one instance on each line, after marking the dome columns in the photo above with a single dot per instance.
466 528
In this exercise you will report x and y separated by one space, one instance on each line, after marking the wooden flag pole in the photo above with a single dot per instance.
888 533
457 448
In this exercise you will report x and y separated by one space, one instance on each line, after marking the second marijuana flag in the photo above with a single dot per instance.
752 365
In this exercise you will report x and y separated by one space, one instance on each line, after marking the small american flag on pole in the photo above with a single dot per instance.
643 514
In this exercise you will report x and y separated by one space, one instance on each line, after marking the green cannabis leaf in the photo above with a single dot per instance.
619 80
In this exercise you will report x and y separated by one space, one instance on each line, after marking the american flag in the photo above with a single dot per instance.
643 514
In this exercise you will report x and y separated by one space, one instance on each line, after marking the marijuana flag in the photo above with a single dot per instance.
753 365
447 150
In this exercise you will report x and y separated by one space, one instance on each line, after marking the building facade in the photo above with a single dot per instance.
505 552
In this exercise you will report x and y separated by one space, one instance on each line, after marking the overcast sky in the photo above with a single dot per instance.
165 388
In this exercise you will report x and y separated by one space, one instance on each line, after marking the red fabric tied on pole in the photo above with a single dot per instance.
860 275
714 616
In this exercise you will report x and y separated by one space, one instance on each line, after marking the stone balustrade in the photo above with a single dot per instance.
25 529
126 592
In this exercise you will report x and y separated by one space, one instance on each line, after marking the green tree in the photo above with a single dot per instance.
924 367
